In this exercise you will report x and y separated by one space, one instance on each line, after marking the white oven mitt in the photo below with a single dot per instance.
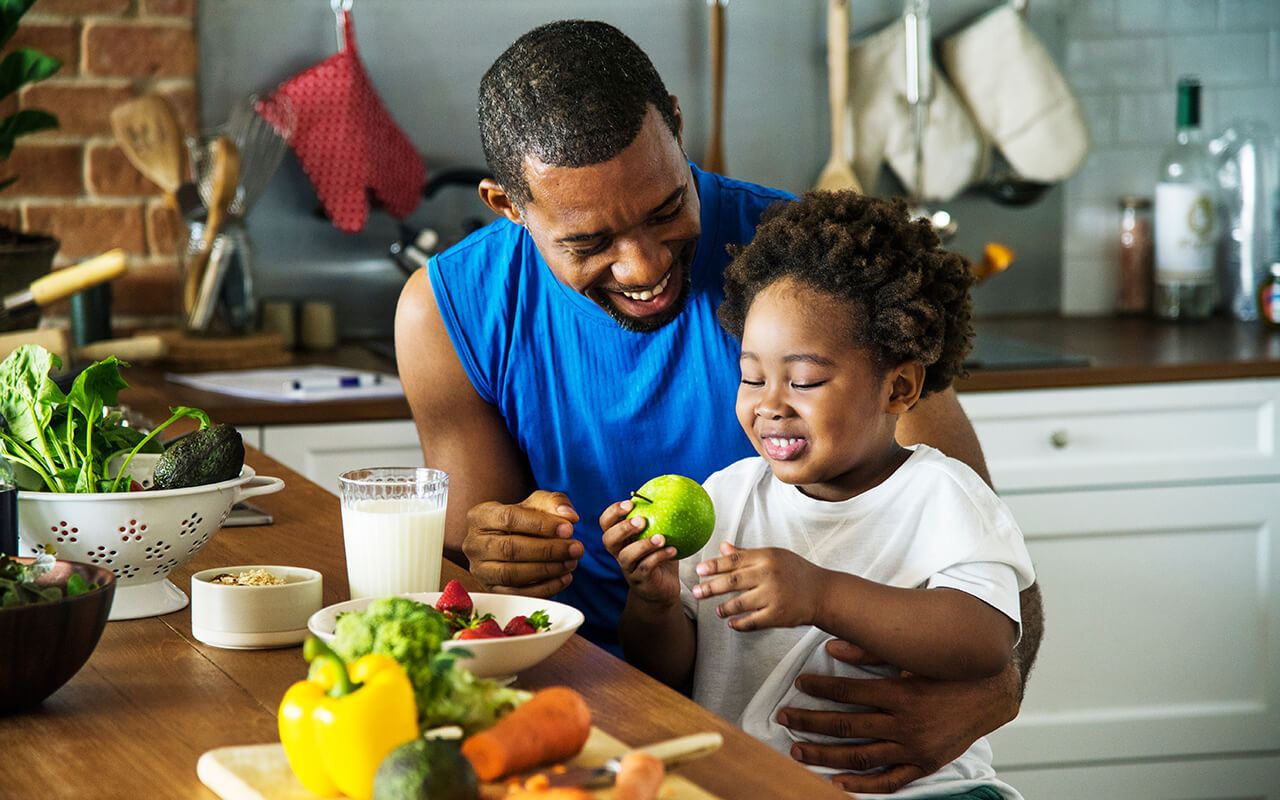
954 149
1017 95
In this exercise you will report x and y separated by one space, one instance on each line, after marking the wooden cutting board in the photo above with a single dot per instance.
261 772
201 353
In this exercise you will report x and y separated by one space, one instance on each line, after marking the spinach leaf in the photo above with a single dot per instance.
67 440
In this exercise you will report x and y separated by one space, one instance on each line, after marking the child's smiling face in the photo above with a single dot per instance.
811 400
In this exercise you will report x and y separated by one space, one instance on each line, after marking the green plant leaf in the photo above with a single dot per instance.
11 12
27 393
24 66
28 120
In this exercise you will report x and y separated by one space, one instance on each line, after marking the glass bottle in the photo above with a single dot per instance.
1134 296
8 509
1186 218
1269 298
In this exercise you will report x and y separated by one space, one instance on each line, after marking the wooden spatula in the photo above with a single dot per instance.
714 162
151 137
200 290
838 172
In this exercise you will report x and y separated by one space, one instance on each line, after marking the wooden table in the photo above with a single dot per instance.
151 699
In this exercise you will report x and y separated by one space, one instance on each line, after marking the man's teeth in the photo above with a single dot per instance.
776 442
649 294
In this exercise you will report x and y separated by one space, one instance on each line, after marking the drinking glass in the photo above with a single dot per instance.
393 529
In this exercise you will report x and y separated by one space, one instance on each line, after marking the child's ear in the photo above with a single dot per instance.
905 383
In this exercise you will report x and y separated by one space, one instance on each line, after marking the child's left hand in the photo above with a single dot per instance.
776 588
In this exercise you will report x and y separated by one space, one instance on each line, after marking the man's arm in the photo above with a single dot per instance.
939 421
460 433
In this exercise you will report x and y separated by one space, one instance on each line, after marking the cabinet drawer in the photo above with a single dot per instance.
323 452
1192 779
1162 625
1128 435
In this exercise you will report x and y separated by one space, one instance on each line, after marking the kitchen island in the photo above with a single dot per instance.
135 719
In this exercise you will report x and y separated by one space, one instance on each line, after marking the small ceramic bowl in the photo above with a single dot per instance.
254 617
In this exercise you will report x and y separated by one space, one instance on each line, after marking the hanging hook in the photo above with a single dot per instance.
340 9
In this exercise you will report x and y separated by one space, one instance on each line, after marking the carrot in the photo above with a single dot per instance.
640 777
550 726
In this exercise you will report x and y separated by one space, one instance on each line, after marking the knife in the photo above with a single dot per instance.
64 282
670 752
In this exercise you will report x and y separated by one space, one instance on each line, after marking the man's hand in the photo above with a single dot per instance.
922 724
524 548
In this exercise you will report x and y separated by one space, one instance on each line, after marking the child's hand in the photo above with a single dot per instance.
647 564
776 588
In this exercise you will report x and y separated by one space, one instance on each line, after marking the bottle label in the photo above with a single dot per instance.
1271 302
1185 233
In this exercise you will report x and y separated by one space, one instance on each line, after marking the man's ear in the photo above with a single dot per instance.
675 103
905 382
497 199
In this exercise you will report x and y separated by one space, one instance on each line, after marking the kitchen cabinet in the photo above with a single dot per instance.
1150 512
322 452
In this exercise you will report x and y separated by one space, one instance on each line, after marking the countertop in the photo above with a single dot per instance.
1110 350
135 719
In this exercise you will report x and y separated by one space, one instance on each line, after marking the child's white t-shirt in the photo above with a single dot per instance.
932 523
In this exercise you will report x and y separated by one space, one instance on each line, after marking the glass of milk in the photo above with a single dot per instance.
393 529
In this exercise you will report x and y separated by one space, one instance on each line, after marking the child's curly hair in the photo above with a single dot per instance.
909 299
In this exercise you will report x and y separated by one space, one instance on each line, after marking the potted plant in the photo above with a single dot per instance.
23 256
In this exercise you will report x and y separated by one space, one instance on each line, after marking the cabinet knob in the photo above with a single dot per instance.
1059 439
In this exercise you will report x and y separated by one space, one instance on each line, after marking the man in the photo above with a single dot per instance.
560 357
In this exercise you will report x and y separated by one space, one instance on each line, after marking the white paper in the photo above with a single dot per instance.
311 384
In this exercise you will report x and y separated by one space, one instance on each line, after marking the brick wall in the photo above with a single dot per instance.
74 182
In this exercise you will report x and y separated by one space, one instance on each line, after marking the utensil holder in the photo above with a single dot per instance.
229 306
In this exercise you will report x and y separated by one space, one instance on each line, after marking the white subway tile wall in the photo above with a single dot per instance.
1123 58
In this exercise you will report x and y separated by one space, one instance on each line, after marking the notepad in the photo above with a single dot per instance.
310 384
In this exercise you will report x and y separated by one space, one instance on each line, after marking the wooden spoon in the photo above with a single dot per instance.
714 162
198 293
838 172
148 132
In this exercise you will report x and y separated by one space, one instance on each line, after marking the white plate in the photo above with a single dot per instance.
490 658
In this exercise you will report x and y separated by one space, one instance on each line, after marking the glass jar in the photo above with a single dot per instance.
1134 294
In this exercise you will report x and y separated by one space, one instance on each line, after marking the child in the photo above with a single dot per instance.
848 313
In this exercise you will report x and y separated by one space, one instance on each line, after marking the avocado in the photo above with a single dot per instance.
208 455
426 769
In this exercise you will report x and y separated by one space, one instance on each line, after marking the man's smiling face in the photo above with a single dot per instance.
623 232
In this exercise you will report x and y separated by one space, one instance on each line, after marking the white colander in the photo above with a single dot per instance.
140 536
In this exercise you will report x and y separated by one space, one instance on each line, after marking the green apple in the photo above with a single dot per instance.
678 508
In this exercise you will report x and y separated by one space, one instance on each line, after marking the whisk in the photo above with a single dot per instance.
262 146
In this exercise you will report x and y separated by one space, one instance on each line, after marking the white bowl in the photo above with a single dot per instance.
254 617
140 536
490 658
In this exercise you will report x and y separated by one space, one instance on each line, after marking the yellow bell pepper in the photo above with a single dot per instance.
339 723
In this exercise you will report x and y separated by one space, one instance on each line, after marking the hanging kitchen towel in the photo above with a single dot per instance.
347 142
954 149
1017 95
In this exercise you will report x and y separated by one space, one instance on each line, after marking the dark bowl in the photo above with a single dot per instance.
44 644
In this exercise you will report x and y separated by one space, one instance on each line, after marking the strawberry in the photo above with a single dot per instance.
455 600
520 625
484 628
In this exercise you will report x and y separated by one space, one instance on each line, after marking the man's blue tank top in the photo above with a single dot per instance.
599 410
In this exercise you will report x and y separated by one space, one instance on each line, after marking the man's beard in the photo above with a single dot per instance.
652 323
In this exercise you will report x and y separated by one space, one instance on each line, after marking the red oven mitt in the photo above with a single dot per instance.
347 142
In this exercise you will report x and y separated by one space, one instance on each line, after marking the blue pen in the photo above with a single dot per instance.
333 382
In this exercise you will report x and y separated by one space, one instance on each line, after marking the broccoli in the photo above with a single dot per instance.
413 633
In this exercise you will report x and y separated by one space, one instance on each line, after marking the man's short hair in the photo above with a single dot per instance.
570 94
